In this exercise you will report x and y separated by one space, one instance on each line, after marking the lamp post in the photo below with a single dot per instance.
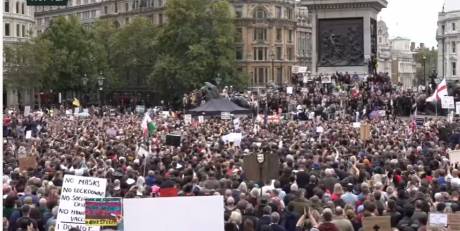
273 65
84 81
100 82
424 74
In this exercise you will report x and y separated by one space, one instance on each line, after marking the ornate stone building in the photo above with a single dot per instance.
403 64
18 27
448 37
303 42
383 48
122 11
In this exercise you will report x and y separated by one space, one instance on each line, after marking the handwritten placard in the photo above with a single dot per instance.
75 190
102 211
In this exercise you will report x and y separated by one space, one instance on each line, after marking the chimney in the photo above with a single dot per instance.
412 46
422 45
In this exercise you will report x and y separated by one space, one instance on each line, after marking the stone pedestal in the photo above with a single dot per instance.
344 34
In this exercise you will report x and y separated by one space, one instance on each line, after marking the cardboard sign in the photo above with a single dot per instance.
26 110
453 220
365 132
188 119
147 214
225 115
454 156
75 190
26 163
102 211
447 102
382 223
437 219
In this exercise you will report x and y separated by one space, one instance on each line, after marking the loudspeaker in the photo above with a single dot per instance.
173 140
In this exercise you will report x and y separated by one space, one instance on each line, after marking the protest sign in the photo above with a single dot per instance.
289 90
28 134
76 111
26 110
447 102
326 79
454 156
146 214
437 219
234 138
381 223
225 115
365 132
102 211
236 123
356 125
200 119
75 190
28 162
188 118
457 108
140 109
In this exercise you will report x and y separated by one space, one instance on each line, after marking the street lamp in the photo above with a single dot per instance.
84 82
273 65
100 82
424 76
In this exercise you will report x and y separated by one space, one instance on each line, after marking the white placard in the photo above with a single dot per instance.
289 90
165 114
450 117
447 102
457 107
174 213
225 115
188 118
68 112
235 138
326 79
140 109
200 119
438 219
75 190
76 111
356 124
29 134
319 129
311 115
26 110
60 98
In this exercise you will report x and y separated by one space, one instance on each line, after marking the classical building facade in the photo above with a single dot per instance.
18 27
122 11
403 64
303 42
383 48
448 37
86 10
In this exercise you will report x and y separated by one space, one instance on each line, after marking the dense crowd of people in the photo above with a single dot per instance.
329 179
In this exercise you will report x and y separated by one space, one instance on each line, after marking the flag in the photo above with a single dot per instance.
76 102
441 90
148 126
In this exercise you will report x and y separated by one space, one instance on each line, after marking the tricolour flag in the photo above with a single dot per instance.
441 90
148 126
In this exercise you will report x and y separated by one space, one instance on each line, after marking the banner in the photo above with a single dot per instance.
447 102
102 211
26 163
437 220
174 213
234 138
225 115
75 190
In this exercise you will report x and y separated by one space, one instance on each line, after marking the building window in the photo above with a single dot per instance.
23 31
279 52
279 35
454 68
260 34
86 2
7 6
17 7
116 7
454 47
7 29
18 30
289 13
160 19
239 35
239 53
238 11
279 76
290 36
126 7
22 8
78 2
260 53
278 12
289 53
160 3
260 74
106 9
127 20
260 13
453 26
93 14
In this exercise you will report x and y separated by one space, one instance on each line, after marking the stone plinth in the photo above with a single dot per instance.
344 34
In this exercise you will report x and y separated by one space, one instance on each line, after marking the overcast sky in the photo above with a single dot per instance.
414 19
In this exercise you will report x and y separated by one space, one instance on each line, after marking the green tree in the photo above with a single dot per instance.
430 61
196 45
133 52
